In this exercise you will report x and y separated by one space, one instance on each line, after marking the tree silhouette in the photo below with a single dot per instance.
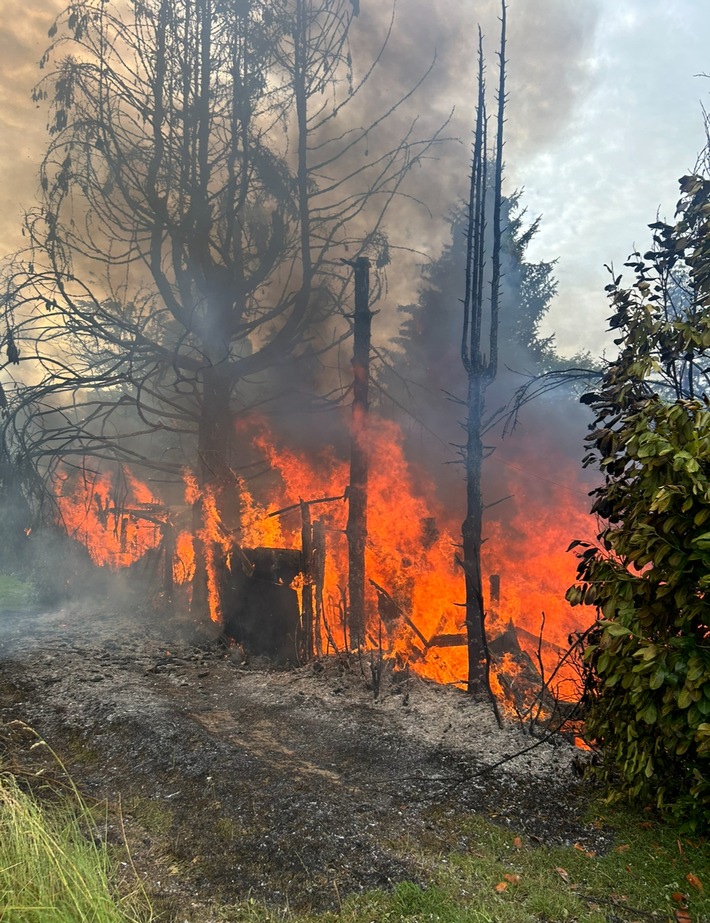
203 178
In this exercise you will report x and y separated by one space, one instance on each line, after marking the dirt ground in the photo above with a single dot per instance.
235 780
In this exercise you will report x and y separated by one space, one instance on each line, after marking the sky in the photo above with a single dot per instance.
604 117
635 128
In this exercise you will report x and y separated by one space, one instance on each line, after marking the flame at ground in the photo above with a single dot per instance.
415 590
413 545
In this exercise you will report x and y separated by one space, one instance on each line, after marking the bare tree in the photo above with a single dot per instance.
202 179
479 352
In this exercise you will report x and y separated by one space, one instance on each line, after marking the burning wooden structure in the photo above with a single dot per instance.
289 560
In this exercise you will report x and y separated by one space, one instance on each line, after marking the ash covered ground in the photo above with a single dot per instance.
229 779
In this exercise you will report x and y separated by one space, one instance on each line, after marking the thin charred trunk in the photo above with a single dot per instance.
471 531
356 529
216 481
479 354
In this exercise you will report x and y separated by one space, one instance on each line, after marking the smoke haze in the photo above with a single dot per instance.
548 74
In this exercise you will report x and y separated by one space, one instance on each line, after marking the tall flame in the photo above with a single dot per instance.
117 523
415 590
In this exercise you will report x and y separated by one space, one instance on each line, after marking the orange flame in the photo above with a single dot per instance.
416 587
117 526
411 553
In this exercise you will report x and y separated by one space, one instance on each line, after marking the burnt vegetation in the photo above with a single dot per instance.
214 181
219 202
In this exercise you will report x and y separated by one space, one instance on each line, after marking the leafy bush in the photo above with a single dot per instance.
649 576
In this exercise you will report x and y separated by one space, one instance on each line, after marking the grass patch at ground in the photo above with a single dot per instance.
54 865
156 818
16 594
496 876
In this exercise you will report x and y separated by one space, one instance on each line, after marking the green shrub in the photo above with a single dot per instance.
649 576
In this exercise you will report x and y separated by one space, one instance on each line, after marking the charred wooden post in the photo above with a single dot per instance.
307 573
169 555
318 581
263 612
356 529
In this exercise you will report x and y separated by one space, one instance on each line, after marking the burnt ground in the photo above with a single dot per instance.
236 780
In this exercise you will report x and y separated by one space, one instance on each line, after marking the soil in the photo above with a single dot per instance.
235 779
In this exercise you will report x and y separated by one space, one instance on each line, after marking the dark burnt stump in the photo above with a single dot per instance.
261 608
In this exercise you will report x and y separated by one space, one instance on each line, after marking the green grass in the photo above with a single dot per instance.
15 593
649 873
54 868
154 816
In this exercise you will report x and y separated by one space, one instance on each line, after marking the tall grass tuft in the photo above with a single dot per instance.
50 870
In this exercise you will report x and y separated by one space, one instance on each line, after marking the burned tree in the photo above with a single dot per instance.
356 530
479 353
200 180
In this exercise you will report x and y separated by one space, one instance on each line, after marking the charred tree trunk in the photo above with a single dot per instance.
356 529
216 481
479 354
471 531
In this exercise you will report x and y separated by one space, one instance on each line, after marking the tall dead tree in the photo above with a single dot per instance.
356 529
479 350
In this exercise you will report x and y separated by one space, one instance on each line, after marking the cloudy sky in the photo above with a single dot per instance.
635 127
604 116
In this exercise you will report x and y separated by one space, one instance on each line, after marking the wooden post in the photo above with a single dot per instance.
169 551
356 529
307 571
319 581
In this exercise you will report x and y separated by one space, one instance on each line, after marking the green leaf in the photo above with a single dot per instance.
685 699
615 630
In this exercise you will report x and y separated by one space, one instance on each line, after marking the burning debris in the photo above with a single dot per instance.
262 612
277 587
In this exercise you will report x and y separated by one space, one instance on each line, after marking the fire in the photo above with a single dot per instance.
115 518
257 524
412 547
184 559
415 588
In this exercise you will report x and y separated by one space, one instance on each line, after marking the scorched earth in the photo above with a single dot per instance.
233 779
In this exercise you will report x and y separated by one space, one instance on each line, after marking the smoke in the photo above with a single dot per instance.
549 74
23 39
551 71
548 54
